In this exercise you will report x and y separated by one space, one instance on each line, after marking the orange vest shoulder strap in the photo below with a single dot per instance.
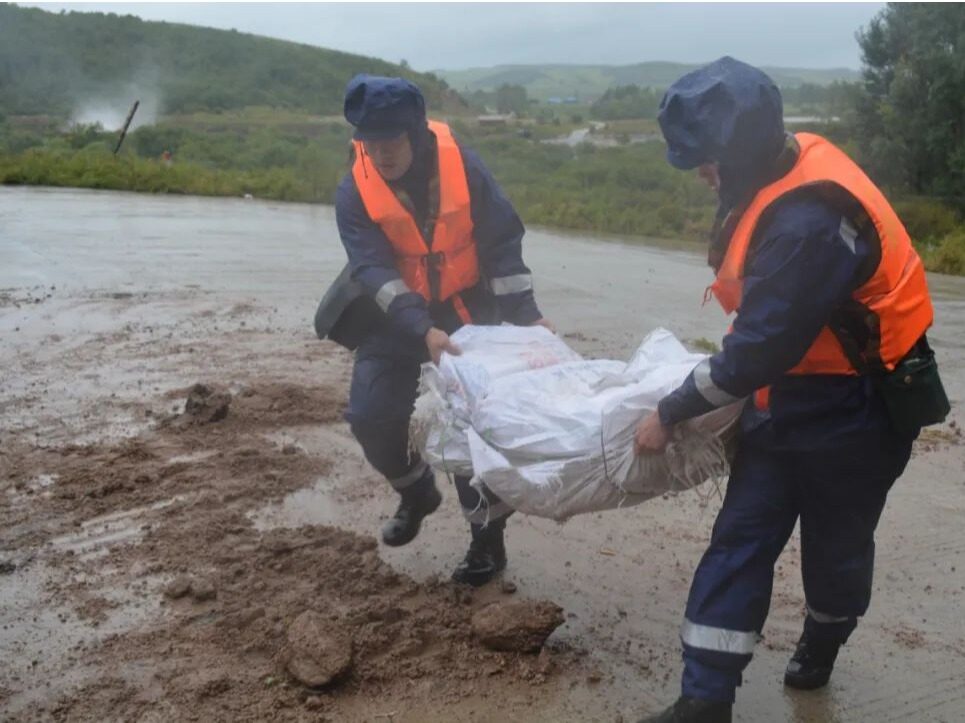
453 184
379 200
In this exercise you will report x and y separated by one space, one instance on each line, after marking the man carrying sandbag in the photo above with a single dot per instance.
829 341
432 239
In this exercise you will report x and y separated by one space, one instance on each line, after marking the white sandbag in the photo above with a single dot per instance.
557 440
439 424
493 352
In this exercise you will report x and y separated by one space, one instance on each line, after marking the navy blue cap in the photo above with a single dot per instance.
381 107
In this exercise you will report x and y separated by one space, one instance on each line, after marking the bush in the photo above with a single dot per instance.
948 255
927 220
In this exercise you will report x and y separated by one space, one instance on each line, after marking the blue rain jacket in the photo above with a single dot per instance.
381 107
806 263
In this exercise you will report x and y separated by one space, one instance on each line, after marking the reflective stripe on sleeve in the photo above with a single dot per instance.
511 284
389 291
848 233
708 390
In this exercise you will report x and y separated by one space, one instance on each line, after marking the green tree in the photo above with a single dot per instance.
52 63
911 112
627 101
511 99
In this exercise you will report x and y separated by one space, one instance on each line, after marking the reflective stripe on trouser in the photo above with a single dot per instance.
839 496
825 618
479 509
419 470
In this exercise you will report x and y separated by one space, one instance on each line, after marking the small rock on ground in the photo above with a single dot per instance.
516 625
319 651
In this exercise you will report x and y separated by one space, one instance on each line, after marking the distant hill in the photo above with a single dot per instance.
588 82
67 64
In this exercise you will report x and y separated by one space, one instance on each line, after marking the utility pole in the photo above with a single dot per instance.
127 123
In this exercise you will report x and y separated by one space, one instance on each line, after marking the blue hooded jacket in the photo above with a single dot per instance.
805 262
387 107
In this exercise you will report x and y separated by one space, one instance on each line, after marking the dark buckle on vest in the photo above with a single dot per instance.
434 260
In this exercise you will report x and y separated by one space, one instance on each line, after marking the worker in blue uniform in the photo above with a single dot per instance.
830 299
434 243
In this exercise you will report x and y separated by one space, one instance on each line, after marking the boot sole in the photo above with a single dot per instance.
806 683
478 579
434 505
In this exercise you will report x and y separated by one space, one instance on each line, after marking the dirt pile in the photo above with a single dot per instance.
255 651
289 404
267 403
248 624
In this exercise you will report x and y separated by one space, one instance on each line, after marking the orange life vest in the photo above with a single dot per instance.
452 253
895 298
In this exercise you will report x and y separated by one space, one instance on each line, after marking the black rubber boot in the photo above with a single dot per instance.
811 665
486 557
694 710
419 500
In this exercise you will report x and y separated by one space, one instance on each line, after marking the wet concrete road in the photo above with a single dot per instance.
907 659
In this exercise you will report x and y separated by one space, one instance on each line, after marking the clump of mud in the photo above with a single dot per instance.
206 404
938 437
319 650
518 626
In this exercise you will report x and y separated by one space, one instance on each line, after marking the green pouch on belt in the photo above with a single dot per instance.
913 391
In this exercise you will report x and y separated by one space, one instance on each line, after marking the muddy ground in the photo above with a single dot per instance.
153 558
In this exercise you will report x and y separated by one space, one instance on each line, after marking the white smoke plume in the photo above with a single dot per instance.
109 106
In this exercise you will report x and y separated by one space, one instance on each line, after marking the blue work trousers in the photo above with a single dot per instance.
381 399
838 495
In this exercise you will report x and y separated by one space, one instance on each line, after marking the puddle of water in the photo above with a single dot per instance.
40 640
317 504
42 481
313 505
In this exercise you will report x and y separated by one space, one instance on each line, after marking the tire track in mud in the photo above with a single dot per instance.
909 704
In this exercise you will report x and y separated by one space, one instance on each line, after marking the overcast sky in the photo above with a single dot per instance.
462 35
